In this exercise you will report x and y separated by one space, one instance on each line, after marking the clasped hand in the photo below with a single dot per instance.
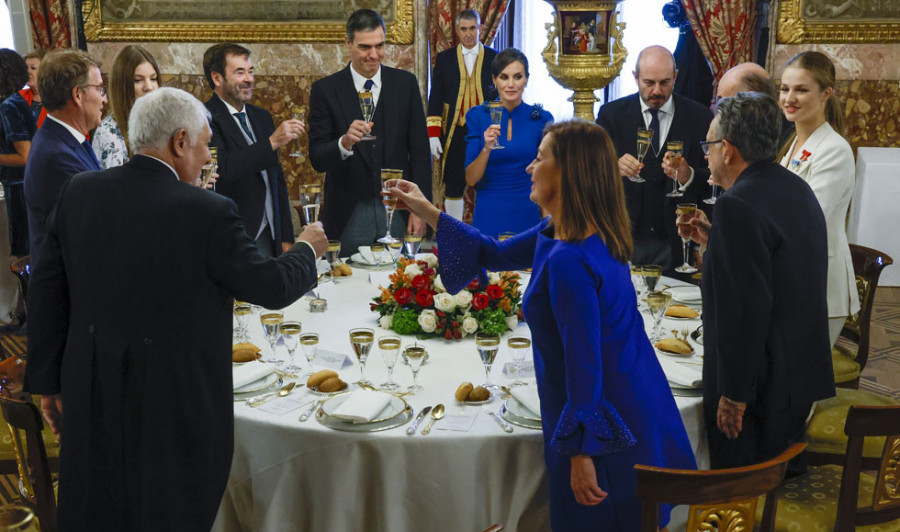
680 166
287 131
357 130
491 136
695 226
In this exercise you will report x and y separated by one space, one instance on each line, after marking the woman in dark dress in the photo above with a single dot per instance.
17 126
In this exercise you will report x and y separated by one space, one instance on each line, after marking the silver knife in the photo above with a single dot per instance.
312 409
500 421
415 424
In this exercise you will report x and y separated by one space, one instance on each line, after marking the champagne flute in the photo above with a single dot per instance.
299 114
389 346
389 201
395 249
518 348
361 340
242 311
676 147
651 274
367 106
415 355
488 344
412 243
310 200
658 303
644 136
331 255
271 322
290 333
711 200
686 209
496 109
209 169
309 342
377 254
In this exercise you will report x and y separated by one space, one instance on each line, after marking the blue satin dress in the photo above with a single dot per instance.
502 197
603 392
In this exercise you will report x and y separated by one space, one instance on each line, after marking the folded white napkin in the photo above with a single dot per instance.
362 406
528 396
252 371
682 374
366 253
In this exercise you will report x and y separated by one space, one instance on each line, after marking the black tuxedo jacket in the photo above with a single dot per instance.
240 166
130 318
765 316
652 213
402 141
446 79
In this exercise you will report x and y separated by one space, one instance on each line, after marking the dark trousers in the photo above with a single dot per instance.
266 244
18 218
455 165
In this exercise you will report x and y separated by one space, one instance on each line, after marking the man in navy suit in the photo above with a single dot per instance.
353 209
73 93
765 318
248 142
672 118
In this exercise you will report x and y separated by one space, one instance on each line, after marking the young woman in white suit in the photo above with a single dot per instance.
819 154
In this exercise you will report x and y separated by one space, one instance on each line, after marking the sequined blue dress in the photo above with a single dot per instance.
602 390
503 196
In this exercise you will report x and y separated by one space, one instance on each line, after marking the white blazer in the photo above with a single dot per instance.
826 163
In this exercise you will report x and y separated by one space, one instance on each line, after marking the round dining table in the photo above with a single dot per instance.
289 475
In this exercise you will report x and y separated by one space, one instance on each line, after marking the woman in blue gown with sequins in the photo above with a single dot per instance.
605 402
502 185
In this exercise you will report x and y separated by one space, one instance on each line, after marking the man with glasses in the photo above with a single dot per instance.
73 93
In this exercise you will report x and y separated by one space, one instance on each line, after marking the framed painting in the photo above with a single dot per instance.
838 21
238 20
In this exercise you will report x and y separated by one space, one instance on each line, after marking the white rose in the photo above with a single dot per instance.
430 259
469 325
493 278
386 321
428 320
512 322
463 298
444 302
439 284
412 270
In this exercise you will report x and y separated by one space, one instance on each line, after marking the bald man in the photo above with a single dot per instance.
672 118
751 77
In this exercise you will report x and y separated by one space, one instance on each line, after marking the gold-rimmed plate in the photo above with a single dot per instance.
516 407
518 420
395 407
273 386
475 403
315 391
257 385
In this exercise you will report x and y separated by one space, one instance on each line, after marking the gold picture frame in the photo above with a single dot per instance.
118 20
836 21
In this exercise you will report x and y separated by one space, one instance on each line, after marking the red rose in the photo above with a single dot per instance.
421 281
480 301
494 291
429 272
424 298
403 295
474 284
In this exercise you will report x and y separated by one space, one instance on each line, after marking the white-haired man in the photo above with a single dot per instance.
130 327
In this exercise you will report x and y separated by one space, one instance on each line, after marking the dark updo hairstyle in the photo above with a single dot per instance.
13 72
506 58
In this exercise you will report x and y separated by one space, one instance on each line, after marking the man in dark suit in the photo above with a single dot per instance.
672 118
460 80
73 93
751 77
248 142
767 355
130 317
353 209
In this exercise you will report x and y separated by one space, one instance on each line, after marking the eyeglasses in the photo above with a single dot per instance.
100 88
704 145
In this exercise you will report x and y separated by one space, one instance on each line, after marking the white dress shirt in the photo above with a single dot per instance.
666 114
470 56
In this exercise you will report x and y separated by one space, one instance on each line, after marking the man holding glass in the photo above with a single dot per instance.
340 144
671 118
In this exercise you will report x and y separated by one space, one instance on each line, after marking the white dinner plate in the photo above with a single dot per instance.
513 405
273 387
686 294
475 403
394 408
257 385
519 420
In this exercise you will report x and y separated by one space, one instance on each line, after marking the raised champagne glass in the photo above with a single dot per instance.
290 333
644 136
361 340
412 243
658 303
367 106
651 274
310 201
332 253
519 346
242 311
389 347
685 209
309 342
676 147
496 109
299 114
488 344
415 355
388 174
209 169
271 323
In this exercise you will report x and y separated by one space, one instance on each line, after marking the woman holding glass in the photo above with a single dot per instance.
823 158
134 73
605 402
498 154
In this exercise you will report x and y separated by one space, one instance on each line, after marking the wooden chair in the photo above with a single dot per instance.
24 416
830 497
724 498
867 265
22 270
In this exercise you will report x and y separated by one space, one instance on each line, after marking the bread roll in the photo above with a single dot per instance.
344 269
320 376
244 352
331 384
674 345
462 393
681 311
479 394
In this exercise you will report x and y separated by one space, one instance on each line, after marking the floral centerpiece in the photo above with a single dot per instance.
416 302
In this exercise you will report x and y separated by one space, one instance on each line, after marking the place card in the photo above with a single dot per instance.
526 370
285 405
459 418
331 360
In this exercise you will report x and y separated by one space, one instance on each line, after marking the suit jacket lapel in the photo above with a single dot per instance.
349 102
80 151
226 122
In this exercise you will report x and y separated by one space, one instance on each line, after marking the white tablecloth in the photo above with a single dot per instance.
292 476
874 216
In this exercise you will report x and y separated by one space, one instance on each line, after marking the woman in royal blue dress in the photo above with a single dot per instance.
501 183
605 402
